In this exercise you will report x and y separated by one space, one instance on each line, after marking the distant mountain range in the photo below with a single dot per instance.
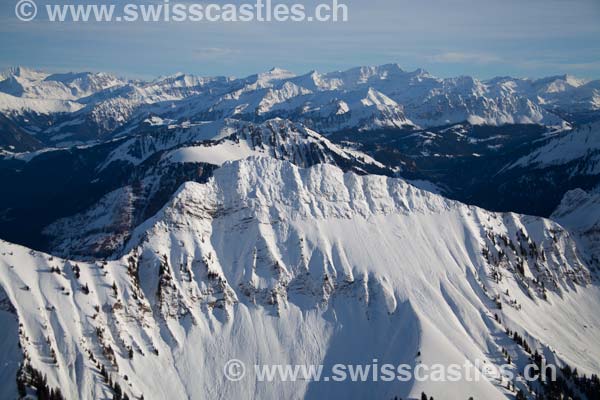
76 108
161 228
505 144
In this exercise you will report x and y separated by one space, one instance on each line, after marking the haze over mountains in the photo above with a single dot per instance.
79 107
161 228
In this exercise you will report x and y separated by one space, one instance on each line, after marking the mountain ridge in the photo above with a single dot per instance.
266 257
80 107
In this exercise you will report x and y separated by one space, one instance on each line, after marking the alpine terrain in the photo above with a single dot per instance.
152 231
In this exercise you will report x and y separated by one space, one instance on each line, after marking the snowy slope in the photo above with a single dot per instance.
101 228
223 140
24 91
364 108
164 159
10 353
11 104
271 263
421 98
580 147
579 212
22 82
363 98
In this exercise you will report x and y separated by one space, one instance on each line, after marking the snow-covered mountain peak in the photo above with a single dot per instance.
365 75
280 72
230 139
24 73
558 84
374 98
28 84
264 79
321 191
183 80
179 77
274 264
173 154
383 72
420 75
327 102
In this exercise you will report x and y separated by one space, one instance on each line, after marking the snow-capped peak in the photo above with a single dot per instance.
327 102
25 73
274 74
273 264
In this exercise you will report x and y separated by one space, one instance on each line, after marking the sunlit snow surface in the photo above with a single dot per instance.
76 108
271 263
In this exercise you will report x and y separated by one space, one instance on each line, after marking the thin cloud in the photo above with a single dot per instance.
211 53
455 57
566 66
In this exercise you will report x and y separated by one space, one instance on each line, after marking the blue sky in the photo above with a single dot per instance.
483 38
